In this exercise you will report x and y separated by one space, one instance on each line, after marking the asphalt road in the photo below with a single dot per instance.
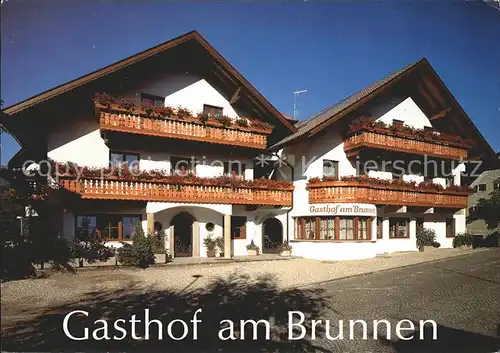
462 295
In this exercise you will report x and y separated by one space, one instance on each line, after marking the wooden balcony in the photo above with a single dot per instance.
376 140
187 129
364 192
189 193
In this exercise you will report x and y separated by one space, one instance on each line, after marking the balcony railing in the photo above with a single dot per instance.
368 139
187 129
365 192
165 192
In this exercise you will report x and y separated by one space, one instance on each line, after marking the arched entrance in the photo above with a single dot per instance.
272 235
183 234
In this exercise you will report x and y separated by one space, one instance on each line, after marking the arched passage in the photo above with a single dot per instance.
272 235
183 234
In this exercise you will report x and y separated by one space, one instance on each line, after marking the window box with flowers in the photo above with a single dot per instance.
382 191
106 102
365 132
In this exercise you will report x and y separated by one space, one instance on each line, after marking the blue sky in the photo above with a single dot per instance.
331 49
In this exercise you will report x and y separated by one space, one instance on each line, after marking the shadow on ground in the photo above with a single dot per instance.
234 298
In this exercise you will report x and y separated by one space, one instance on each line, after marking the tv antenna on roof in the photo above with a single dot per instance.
295 94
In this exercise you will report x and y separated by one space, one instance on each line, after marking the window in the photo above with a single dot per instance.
117 159
327 228
129 223
182 166
399 228
333 228
238 227
234 168
397 123
362 230
152 99
346 229
212 111
330 168
310 227
496 185
481 187
86 226
107 227
210 226
472 209
379 227
450 227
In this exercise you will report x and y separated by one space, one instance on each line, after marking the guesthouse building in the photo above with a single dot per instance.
176 139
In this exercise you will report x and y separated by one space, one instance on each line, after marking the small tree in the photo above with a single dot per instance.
139 253
426 237
92 249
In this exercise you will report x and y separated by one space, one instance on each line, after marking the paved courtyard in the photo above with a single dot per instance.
461 293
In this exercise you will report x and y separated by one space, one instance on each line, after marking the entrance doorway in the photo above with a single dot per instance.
183 234
272 236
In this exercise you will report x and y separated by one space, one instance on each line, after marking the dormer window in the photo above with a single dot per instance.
398 123
330 169
212 110
151 99
234 169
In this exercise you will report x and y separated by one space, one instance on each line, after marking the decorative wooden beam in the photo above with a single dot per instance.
235 96
440 115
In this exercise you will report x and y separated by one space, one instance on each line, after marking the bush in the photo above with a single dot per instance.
462 239
91 249
140 253
492 240
426 237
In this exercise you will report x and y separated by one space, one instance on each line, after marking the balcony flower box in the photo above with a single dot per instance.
386 192
107 103
368 124
154 185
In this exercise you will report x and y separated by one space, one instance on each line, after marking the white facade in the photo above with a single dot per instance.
79 140
307 158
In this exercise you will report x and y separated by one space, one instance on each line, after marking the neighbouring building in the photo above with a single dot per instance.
176 139
488 181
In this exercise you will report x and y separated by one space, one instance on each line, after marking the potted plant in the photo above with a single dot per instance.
252 249
210 246
285 249
219 243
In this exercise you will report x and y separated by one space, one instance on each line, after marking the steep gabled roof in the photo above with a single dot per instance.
305 126
190 36
430 93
